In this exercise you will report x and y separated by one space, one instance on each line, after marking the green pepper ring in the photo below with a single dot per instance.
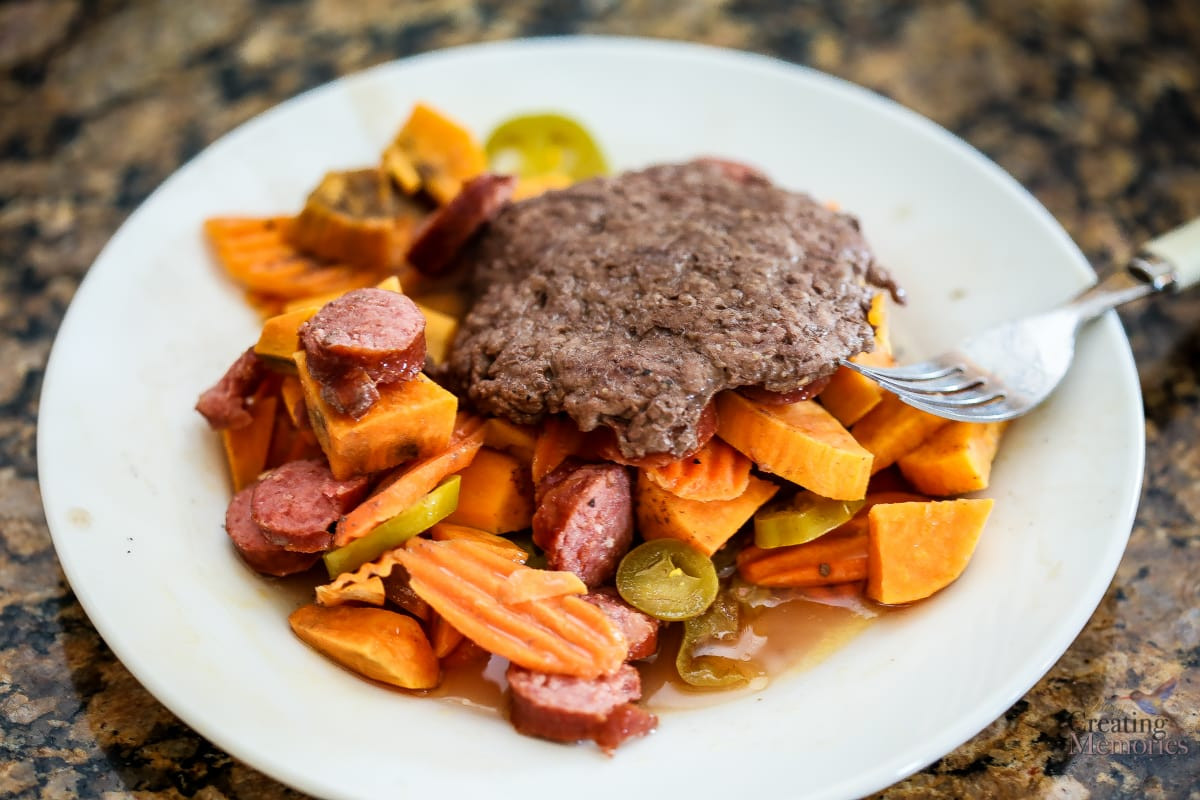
667 579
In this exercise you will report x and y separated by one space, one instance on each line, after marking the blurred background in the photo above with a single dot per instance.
1093 105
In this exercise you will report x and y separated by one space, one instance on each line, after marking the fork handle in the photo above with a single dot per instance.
1180 250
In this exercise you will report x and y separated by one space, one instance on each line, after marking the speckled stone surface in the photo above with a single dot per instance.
1094 105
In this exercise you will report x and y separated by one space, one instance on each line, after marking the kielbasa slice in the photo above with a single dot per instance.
295 504
224 404
262 555
639 629
585 522
564 708
452 226
367 337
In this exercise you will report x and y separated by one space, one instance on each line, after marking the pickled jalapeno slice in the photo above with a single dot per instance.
544 144
667 579
805 517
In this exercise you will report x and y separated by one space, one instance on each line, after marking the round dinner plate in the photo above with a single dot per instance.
135 488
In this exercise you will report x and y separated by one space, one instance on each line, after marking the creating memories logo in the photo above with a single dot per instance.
1136 724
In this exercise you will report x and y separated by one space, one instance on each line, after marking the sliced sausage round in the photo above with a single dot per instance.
295 504
224 404
639 629
563 708
262 555
370 334
452 226
585 522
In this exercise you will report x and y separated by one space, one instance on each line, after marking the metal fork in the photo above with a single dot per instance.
1005 371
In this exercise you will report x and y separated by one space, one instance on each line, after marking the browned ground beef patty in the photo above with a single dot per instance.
630 301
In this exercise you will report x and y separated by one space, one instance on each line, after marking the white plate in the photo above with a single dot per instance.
135 489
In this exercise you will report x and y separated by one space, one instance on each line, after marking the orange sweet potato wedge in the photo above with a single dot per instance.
917 549
893 429
849 395
413 481
434 153
955 460
496 494
246 449
706 526
464 582
382 645
800 442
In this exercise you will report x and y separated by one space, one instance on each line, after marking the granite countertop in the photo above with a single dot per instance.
1093 105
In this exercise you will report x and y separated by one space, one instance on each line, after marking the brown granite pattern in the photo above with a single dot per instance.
1093 104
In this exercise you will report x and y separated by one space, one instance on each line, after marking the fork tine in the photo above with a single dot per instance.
997 410
955 382
923 370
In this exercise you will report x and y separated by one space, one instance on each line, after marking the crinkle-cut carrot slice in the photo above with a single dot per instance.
360 585
255 252
464 582
527 585
411 482
714 472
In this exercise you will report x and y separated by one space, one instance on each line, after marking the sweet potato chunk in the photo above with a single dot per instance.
849 395
382 645
704 525
893 429
411 419
496 494
434 153
955 460
915 549
801 442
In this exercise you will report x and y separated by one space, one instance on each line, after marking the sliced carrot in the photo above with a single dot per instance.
463 581
839 557
559 440
446 531
255 252
527 585
364 584
714 472
246 449
413 481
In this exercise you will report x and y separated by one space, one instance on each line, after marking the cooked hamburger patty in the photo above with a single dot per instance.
630 301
